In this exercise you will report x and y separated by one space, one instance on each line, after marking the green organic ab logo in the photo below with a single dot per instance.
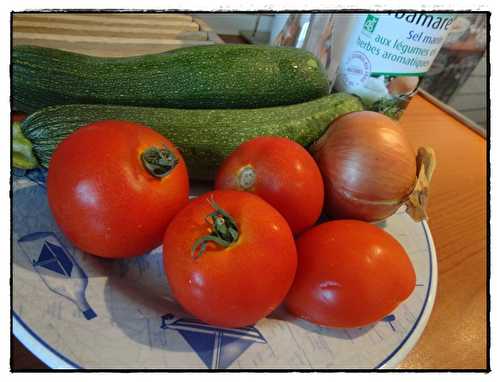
370 23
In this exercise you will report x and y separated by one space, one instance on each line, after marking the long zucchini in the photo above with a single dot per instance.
205 137
198 77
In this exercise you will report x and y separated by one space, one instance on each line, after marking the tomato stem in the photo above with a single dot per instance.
223 230
159 161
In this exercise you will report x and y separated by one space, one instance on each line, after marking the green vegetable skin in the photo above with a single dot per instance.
199 77
205 137
22 154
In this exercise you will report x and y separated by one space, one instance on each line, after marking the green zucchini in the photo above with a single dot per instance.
199 77
205 137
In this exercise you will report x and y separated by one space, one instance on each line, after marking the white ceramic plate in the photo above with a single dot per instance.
73 310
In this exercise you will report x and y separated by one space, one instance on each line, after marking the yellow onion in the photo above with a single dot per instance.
369 168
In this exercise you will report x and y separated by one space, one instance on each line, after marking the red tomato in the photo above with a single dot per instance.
349 274
18 117
239 284
103 197
281 172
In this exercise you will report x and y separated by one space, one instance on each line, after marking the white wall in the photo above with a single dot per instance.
470 99
233 23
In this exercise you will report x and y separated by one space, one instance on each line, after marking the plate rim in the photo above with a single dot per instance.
38 347
411 339
55 360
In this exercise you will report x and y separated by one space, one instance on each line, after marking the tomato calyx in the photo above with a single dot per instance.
159 162
223 230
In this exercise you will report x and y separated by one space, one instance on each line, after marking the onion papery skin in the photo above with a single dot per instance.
368 166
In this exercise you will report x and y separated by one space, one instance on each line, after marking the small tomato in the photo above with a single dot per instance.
281 172
349 274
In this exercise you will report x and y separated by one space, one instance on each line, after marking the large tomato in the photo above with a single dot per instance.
281 172
349 274
104 197
240 276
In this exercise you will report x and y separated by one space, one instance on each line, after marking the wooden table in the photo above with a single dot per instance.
456 334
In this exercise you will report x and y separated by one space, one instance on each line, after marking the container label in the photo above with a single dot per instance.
385 54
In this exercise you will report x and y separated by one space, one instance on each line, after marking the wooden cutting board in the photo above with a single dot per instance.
111 34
